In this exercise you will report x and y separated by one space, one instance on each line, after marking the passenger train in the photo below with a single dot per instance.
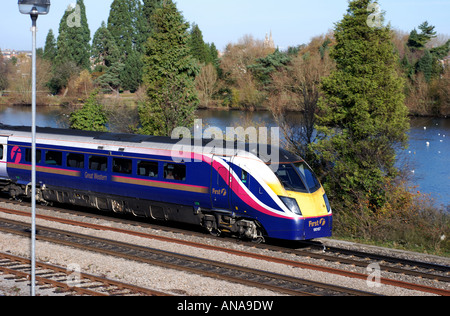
234 192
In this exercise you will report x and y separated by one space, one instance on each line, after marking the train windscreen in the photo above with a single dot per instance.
297 177
308 175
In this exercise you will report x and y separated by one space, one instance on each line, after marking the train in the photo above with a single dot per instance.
234 191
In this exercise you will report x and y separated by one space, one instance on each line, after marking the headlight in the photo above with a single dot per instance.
291 204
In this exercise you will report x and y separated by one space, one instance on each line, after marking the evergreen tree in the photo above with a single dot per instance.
110 81
127 26
50 49
264 67
91 117
124 24
104 48
425 65
214 55
148 9
362 115
131 76
198 48
427 31
169 73
74 37
418 41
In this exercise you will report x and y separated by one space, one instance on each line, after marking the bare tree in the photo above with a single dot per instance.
298 89
206 84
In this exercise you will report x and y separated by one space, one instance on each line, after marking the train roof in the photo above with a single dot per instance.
133 140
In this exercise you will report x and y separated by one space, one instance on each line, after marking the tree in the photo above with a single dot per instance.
198 48
121 26
74 37
296 87
20 80
169 73
91 117
362 118
148 10
110 81
425 65
131 76
50 48
263 69
206 84
418 41
214 55
127 25
4 72
104 47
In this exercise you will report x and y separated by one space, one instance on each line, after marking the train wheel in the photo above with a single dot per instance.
215 232
259 239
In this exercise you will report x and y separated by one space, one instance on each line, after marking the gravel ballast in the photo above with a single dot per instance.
158 278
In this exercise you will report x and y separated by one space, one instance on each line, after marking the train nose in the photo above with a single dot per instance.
318 227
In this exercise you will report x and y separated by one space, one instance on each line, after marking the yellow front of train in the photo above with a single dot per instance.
301 191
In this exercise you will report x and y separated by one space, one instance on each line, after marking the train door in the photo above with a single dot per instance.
3 157
220 185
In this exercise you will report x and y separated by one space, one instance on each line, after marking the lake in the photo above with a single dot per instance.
427 159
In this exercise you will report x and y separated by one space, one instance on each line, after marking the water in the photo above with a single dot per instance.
428 157
427 160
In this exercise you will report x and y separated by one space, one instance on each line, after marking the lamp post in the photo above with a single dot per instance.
34 8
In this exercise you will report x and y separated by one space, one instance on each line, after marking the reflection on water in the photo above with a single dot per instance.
46 116
427 157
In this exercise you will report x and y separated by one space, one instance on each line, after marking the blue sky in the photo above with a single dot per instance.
292 22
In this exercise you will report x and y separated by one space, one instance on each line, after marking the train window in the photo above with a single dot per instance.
98 163
75 161
124 166
147 169
174 172
290 178
309 176
53 158
28 155
1 152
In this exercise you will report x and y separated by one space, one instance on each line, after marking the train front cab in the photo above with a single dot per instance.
305 196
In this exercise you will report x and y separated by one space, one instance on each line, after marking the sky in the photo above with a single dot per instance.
292 22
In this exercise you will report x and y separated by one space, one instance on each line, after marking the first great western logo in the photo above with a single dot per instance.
318 223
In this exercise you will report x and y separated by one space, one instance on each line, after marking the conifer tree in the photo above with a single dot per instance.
131 76
199 49
104 47
169 73
91 117
149 7
425 65
126 24
74 37
50 49
362 118
120 26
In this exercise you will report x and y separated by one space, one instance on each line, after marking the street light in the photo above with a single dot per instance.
34 8
27 6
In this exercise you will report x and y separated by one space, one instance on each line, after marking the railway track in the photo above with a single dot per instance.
442 271
67 281
316 250
214 269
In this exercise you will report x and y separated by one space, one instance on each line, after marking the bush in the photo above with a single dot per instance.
407 220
